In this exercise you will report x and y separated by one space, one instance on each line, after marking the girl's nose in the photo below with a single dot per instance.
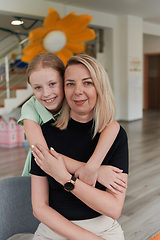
46 92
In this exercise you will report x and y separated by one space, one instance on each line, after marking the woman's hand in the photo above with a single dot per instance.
112 178
87 175
51 163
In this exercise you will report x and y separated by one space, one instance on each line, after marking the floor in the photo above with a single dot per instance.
140 217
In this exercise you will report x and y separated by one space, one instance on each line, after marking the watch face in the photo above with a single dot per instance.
69 186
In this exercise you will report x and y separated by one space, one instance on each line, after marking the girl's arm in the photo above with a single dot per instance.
34 135
51 218
88 172
101 201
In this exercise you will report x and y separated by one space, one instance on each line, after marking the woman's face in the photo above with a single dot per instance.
80 92
47 86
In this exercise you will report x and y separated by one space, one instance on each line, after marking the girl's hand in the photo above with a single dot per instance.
112 178
87 175
51 163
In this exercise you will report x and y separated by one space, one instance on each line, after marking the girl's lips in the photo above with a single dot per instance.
80 102
50 100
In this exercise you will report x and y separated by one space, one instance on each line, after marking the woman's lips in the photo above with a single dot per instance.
80 102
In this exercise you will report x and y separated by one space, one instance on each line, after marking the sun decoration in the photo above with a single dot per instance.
62 36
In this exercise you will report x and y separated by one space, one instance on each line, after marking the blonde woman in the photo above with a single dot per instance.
67 207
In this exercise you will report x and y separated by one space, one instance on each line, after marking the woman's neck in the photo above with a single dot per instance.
82 118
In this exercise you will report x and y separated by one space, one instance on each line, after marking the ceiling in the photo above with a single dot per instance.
22 30
149 10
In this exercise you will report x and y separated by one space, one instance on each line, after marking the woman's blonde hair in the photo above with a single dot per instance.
105 106
45 60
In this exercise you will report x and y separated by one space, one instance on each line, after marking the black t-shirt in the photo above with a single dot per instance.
76 142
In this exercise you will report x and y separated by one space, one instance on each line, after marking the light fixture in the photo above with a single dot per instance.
17 22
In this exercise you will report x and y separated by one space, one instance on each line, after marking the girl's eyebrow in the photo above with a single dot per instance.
36 84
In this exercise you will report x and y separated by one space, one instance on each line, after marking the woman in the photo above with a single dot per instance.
83 211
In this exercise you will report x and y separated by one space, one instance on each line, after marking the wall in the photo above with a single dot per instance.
151 44
117 51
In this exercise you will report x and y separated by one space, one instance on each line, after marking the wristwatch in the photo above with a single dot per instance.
70 184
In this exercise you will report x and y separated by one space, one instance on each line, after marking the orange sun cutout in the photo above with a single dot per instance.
62 36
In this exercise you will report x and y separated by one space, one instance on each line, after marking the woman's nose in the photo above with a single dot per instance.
78 89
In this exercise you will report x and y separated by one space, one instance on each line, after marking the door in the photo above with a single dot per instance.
152 82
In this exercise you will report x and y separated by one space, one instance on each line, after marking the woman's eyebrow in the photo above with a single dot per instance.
69 80
86 78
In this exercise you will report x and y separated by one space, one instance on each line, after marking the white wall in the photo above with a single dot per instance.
119 47
151 44
135 78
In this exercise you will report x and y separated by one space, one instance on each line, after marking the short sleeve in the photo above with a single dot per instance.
120 156
29 111
117 156
35 169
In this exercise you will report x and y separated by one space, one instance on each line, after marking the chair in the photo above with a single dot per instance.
15 207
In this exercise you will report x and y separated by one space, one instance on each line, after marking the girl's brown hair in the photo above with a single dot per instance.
45 60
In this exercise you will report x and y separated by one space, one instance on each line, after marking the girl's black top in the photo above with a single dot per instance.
76 142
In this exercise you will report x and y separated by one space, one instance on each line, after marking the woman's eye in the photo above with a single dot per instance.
88 83
69 84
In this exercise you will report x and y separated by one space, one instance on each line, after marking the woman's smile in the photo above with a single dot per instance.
79 102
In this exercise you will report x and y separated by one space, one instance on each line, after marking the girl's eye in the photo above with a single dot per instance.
52 84
37 88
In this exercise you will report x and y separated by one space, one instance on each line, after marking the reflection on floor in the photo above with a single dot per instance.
140 217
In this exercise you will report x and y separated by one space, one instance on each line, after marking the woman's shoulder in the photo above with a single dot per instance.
121 139
122 133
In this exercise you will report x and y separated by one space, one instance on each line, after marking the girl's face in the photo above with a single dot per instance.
80 92
47 86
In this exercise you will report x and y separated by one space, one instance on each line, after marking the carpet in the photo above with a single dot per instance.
156 237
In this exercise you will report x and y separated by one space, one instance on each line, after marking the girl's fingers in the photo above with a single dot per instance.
117 170
117 188
112 190
120 178
121 183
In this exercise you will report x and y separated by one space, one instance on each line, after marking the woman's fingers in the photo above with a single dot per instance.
54 153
